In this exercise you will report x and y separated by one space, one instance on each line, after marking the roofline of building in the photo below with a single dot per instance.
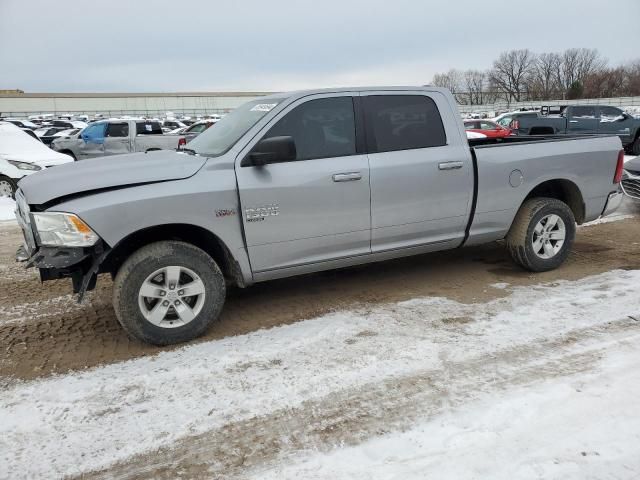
130 95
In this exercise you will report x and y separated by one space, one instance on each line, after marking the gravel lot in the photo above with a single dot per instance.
301 376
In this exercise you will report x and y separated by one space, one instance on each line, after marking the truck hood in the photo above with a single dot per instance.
103 173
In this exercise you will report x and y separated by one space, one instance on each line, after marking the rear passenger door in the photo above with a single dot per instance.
582 120
116 140
421 181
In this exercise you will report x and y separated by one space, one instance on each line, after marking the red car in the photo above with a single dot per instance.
487 127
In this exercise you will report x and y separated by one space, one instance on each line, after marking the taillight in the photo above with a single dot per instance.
182 142
619 167
515 124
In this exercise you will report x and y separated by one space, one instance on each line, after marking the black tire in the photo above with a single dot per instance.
6 181
635 146
520 239
137 268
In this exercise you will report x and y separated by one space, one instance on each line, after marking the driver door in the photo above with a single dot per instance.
92 141
298 214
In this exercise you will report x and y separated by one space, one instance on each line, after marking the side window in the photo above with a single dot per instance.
402 122
118 130
487 126
583 112
505 121
610 113
148 128
321 128
94 133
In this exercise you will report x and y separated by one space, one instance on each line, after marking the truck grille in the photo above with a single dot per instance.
24 220
631 184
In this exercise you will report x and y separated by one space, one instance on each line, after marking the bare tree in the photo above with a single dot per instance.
576 65
511 71
474 84
451 80
542 82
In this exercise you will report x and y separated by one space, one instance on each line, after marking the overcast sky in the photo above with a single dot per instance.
204 45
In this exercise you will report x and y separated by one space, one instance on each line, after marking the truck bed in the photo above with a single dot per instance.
508 170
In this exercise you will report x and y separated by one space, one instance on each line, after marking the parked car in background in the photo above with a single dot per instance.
67 124
631 179
487 128
48 134
169 125
300 182
22 155
197 128
22 123
115 137
511 120
585 120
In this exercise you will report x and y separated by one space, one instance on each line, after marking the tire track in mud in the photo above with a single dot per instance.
351 416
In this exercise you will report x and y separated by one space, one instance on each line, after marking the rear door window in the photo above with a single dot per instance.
402 122
148 128
583 112
118 130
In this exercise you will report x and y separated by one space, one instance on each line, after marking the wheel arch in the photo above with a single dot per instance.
563 190
193 234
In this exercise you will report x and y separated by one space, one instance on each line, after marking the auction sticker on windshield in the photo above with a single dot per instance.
263 107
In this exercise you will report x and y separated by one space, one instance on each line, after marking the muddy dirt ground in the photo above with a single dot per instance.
44 331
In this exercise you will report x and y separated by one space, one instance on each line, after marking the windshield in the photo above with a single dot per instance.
219 139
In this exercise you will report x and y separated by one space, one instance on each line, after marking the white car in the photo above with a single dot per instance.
22 155
475 135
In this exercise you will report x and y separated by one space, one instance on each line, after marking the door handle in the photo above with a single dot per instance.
573 121
450 165
347 177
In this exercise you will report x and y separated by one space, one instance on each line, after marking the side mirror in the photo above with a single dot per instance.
271 150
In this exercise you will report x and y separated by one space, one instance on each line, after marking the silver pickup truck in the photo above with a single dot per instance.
115 137
300 182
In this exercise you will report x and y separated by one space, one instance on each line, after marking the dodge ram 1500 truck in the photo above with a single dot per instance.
584 120
300 182
116 137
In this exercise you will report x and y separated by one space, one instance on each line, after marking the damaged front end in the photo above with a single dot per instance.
60 245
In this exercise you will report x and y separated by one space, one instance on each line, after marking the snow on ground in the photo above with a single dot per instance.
7 207
587 427
614 217
71 424
629 157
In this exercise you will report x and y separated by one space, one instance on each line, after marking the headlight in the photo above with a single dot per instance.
24 165
63 230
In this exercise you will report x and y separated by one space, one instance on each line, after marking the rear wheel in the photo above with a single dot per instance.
168 292
7 187
542 234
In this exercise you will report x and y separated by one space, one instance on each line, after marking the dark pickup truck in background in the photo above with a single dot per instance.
582 120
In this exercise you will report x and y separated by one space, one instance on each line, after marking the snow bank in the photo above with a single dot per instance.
7 207
71 424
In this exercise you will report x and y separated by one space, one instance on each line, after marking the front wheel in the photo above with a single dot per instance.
542 234
168 292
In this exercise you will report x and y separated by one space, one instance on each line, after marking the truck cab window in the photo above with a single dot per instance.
148 128
321 128
118 130
402 122
583 112
610 113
